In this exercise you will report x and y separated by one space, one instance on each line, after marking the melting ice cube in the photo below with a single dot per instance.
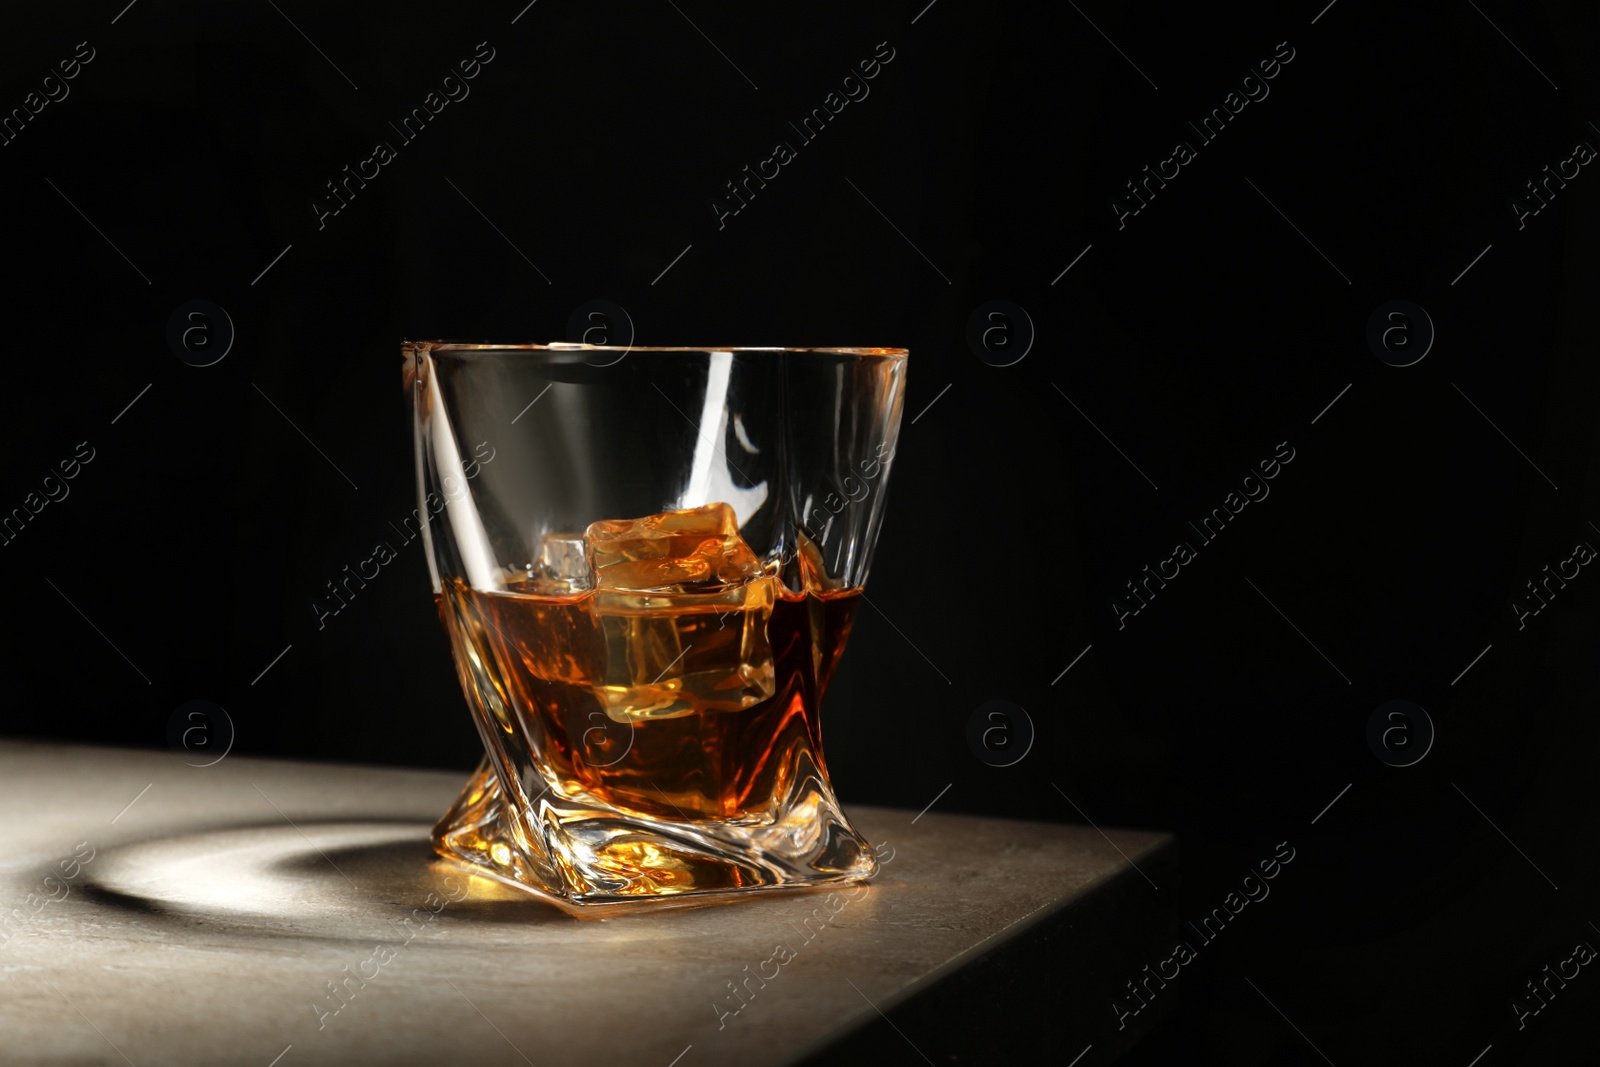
562 567
674 550
682 603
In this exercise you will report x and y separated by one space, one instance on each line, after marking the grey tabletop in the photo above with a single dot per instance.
261 912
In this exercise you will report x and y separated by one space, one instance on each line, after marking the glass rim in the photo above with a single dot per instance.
563 346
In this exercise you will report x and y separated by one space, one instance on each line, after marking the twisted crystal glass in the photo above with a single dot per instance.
648 561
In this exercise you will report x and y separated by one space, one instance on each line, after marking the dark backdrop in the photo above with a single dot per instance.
1173 350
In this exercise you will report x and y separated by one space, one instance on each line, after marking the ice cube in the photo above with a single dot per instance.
673 550
682 605
562 567
813 569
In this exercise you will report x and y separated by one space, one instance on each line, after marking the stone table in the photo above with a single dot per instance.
261 912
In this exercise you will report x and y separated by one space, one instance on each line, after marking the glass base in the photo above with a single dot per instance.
585 855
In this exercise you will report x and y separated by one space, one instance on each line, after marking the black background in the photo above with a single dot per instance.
1197 337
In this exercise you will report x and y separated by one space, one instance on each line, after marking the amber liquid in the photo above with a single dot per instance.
689 742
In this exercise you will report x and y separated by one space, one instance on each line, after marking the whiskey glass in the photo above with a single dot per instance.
648 561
